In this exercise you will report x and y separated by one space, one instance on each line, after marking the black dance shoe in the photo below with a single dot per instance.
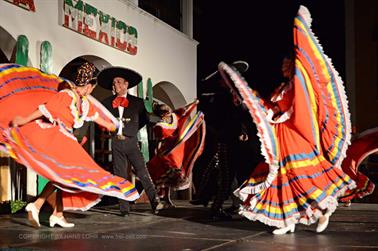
232 210
219 215
124 209
199 202
125 213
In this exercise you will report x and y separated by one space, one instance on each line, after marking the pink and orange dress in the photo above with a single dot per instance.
363 145
182 142
47 145
303 146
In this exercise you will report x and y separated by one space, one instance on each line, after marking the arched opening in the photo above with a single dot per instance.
7 46
169 94
3 58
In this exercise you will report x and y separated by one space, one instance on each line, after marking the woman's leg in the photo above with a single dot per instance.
47 191
34 208
58 208
57 217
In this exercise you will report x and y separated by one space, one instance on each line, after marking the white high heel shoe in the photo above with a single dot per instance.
284 230
322 223
348 203
33 213
60 221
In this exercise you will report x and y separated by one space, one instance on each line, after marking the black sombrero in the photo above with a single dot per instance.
106 76
240 66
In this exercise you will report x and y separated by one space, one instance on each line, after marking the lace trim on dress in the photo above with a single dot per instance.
78 120
166 125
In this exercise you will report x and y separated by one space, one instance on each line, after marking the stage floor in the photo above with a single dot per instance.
187 227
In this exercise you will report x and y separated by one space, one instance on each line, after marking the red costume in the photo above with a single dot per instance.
303 145
47 145
182 142
362 146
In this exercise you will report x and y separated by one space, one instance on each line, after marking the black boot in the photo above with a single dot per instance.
218 214
232 210
124 208
199 202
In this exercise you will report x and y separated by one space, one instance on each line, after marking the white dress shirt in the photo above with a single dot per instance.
120 111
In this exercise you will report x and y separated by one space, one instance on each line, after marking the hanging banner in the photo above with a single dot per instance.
93 23
25 4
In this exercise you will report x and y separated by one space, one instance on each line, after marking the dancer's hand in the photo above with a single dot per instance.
18 121
112 128
105 125
243 137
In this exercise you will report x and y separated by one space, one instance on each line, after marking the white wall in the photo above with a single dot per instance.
164 54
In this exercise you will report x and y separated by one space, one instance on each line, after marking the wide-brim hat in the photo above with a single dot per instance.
106 76
240 66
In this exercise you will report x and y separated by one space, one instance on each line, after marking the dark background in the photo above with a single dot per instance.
260 32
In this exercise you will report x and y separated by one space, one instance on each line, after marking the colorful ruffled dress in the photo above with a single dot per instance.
182 142
304 146
47 145
365 144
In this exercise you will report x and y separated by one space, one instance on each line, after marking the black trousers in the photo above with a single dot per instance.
128 150
216 177
225 175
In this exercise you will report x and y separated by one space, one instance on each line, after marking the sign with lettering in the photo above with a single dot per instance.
25 4
93 23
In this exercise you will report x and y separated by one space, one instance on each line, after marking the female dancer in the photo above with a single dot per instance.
363 145
41 137
304 132
181 143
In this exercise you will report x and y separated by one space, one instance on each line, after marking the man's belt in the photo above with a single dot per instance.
121 137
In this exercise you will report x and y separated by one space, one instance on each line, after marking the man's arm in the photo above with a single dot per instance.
143 115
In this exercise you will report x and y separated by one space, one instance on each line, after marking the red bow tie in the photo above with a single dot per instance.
120 101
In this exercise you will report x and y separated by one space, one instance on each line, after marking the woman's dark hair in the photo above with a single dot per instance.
64 85
161 109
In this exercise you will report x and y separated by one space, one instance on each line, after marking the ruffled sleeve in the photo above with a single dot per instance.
284 99
92 113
